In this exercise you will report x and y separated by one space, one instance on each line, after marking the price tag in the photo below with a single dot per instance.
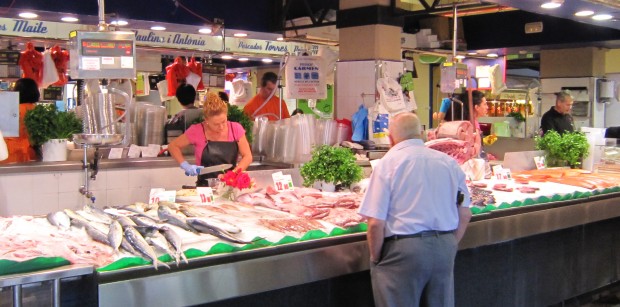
540 162
159 194
206 194
115 153
154 195
501 173
134 151
284 183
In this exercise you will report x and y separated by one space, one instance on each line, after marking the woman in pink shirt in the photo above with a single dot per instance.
216 141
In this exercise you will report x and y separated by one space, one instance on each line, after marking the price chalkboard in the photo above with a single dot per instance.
9 57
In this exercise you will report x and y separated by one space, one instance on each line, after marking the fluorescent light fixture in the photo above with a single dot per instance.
205 31
158 28
280 38
28 15
69 19
267 60
460 57
239 34
602 17
492 55
585 13
553 4
227 57
119 22
472 53
243 59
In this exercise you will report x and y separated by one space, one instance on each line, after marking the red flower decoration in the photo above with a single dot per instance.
237 179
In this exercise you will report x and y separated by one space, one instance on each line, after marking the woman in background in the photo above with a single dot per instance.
19 147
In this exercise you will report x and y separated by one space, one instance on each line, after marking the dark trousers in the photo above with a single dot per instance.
415 272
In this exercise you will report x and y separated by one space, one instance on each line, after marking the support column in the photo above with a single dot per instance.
368 33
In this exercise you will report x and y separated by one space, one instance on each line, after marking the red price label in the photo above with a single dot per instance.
206 194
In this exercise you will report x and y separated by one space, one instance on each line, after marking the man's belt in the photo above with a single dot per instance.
426 233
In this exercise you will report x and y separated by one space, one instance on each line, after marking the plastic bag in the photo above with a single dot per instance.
240 93
50 74
359 124
391 95
4 152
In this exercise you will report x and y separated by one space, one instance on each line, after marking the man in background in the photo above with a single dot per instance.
558 118
414 223
266 103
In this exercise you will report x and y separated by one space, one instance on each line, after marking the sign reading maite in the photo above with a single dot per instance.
305 78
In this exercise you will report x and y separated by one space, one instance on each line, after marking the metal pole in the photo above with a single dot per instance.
101 25
455 27
56 292
17 296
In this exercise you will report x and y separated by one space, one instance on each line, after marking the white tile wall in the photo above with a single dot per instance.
41 193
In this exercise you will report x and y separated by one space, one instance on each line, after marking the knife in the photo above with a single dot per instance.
215 168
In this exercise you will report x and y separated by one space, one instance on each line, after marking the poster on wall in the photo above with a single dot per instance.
305 78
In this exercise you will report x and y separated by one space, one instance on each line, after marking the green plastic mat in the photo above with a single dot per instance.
36 264
223 248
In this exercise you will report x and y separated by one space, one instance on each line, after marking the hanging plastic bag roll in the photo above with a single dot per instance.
4 152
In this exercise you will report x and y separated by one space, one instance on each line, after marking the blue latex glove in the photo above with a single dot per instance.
190 169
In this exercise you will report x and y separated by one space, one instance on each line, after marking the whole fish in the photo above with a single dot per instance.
124 221
204 227
127 246
175 240
98 213
59 219
165 213
139 243
76 219
191 211
159 241
96 234
228 227
91 217
115 235
144 221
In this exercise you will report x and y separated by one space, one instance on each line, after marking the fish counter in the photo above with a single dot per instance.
267 240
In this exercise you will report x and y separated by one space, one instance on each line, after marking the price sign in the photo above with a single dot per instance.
501 173
206 194
540 162
284 183
159 194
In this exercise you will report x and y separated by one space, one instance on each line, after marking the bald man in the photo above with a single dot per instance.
415 221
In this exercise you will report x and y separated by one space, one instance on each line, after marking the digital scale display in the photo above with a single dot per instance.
108 48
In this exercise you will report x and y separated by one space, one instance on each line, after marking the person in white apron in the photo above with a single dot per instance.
216 141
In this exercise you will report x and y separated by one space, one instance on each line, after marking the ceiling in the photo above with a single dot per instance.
500 30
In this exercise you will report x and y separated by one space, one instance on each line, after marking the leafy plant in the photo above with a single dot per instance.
333 165
569 147
235 114
517 116
45 122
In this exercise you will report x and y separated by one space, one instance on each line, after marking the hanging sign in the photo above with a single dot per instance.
305 78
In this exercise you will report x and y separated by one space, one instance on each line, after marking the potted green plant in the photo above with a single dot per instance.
331 165
49 130
567 149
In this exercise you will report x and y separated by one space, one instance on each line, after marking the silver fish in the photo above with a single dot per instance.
127 246
144 221
165 213
204 227
175 240
140 244
91 217
96 234
190 211
228 227
98 213
125 221
159 241
59 219
115 235
76 219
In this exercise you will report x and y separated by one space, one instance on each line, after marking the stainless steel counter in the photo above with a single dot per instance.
220 277
159 162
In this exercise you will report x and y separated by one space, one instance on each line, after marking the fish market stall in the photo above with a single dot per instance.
297 244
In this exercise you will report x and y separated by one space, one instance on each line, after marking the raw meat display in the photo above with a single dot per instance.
458 139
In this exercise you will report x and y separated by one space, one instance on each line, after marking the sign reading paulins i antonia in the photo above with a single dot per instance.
305 78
